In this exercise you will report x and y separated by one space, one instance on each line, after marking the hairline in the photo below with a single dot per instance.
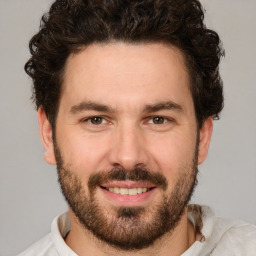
76 50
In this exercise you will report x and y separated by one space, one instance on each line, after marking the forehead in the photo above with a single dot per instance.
121 74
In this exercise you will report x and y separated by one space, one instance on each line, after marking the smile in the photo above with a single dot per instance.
127 191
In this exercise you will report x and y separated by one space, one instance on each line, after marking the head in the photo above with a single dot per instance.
126 93
71 25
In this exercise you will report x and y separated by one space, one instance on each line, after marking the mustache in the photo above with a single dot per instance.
120 174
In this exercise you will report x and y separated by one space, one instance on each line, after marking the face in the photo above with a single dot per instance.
126 141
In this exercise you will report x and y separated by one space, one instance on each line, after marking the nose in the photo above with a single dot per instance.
128 149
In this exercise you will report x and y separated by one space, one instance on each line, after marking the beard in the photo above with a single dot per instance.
127 228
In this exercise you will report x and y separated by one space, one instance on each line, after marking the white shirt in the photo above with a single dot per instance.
220 237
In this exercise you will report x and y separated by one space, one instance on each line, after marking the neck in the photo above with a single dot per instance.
82 242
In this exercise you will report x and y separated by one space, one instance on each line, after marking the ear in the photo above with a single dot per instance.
204 139
45 130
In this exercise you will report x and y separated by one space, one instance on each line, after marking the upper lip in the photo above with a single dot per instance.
128 184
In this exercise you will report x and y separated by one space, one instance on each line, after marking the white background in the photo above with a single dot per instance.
29 192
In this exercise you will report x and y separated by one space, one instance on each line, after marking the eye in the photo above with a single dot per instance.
96 120
158 120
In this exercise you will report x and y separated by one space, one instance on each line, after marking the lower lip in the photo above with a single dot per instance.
128 200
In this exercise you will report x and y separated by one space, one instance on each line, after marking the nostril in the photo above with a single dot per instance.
128 154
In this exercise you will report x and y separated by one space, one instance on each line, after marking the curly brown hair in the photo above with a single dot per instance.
72 24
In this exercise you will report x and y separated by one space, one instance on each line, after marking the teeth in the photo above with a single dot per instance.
124 191
139 190
128 191
132 191
116 190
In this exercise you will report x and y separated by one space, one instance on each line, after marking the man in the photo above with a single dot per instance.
126 93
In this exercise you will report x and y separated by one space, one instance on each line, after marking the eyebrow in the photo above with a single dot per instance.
83 106
88 105
166 105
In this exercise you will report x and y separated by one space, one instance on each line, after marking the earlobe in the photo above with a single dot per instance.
204 139
45 130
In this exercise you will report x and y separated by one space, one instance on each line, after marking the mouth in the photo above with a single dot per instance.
128 193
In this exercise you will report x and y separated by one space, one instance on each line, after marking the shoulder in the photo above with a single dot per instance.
239 238
222 236
227 236
52 244
42 247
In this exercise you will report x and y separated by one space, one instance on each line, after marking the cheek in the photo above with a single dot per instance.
171 154
83 153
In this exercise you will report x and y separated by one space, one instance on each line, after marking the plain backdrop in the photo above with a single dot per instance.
29 193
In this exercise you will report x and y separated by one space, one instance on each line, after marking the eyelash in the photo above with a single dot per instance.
164 119
89 120
149 120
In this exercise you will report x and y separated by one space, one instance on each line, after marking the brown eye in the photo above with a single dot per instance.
96 120
158 120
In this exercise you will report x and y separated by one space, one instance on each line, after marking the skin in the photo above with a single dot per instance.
127 78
